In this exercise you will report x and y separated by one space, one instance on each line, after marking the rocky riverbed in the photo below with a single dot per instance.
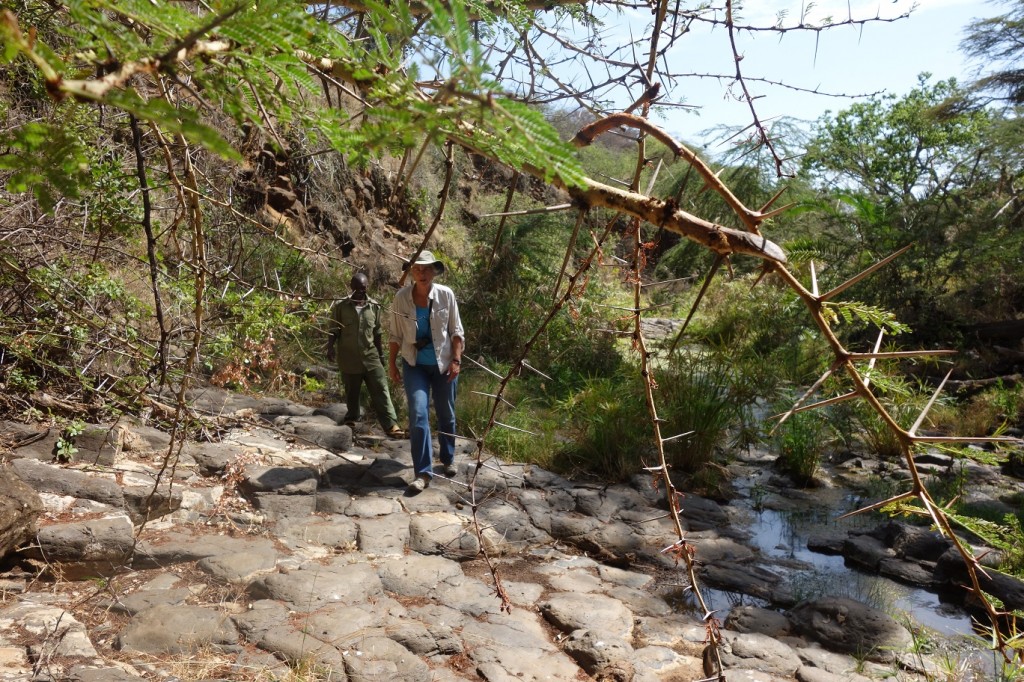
288 549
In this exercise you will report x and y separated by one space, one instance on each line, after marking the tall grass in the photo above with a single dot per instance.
698 392
609 432
533 434
609 427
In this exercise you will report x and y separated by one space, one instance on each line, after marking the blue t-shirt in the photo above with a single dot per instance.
424 356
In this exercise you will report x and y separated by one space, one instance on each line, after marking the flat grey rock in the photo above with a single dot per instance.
338 532
758 652
161 549
520 630
417 576
372 505
341 625
284 507
601 654
758 620
105 540
136 602
377 658
63 481
100 674
625 578
383 535
178 630
333 501
469 595
313 586
569 612
279 480
239 568
442 533
850 627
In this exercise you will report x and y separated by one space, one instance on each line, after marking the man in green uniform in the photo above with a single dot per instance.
355 340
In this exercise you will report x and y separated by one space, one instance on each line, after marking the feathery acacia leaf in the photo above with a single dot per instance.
850 312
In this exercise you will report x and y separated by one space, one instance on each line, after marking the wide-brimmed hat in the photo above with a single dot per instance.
426 258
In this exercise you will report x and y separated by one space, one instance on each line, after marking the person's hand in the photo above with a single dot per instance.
453 369
395 375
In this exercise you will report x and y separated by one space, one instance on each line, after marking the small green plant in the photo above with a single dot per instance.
758 493
18 380
904 401
800 442
1006 535
312 384
65 450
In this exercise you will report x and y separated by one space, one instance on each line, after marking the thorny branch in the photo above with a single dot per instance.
592 195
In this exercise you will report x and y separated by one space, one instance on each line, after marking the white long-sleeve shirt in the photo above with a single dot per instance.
445 324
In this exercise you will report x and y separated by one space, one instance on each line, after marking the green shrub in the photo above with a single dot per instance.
983 414
800 442
507 301
609 429
698 392
904 402
82 322
534 443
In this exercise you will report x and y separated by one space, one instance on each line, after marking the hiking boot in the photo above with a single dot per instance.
418 485
449 470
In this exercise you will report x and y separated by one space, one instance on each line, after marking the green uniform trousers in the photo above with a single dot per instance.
380 397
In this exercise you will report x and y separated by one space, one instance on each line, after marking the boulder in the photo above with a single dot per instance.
849 627
20 507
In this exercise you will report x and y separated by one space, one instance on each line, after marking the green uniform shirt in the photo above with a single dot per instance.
356 329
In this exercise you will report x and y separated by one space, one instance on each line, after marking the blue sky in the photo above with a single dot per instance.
851 60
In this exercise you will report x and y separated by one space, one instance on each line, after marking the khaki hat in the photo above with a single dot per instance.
426 258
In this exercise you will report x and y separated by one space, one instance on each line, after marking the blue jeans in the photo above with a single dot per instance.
420 381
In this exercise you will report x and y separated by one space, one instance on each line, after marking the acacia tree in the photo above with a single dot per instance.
998 44
937 170
191 84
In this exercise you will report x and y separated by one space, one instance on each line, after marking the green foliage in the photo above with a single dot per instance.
65 450
997 41
902 399
984 414
850 312
609 429
258 67
533 433
242 348
511 299
699 392
46 159
800 442
877 145
1005 534
761 336
927 169
80 315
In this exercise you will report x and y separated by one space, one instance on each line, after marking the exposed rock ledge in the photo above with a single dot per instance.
262 552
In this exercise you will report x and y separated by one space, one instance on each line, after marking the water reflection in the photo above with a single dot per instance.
783 535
